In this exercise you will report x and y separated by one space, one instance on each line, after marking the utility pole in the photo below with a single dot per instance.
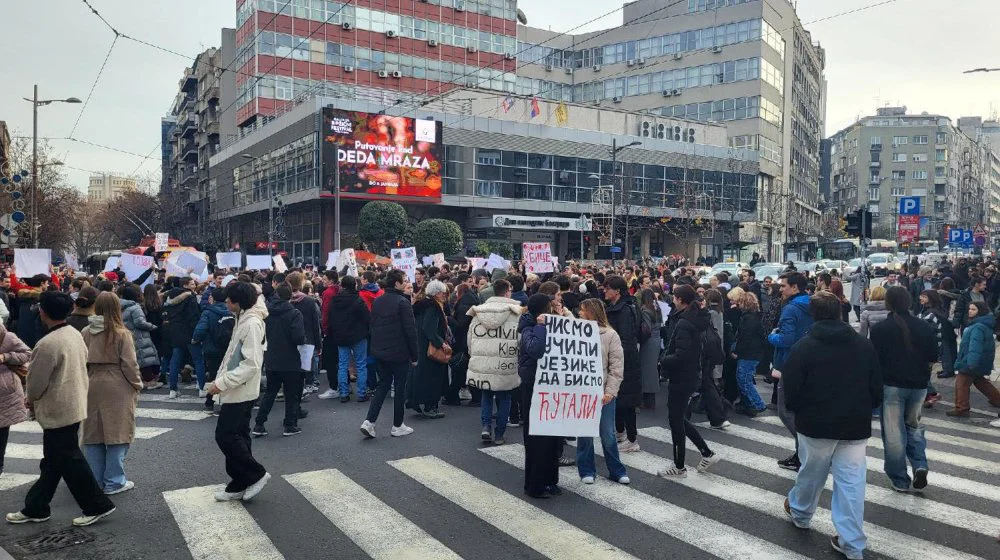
614 215
34 166
336 205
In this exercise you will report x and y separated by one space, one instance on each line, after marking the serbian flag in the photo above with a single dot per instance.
507 104
535 109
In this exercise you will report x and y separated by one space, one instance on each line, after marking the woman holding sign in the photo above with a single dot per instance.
614 367
541 453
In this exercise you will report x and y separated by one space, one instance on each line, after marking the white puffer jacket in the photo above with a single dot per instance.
493 340
238 378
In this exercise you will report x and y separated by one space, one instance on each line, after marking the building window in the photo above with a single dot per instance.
898 175
920 140
941 154
897 157
876 140
919 174
900 140
919 157
942 138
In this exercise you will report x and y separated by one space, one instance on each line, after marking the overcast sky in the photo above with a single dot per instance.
910 52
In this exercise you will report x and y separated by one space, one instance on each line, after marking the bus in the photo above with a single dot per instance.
841 249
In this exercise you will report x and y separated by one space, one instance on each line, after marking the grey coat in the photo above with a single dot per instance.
871 313
649 353
135 321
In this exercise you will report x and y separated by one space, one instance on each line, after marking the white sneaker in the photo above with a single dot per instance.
368 429
625 480
128 486
725 424
620 437
587 480
995 423
402 430
223 496
202 393
328 394
256 487
673 472
629 447
172 395
707 462
87 520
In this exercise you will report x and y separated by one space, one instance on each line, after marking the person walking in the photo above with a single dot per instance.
751 345
310 309
152 306
682 364
284 332
492 343
906 348
214 329
541 453
623 317
83 308
394 345
975 359
56 389
932 312
793 325
349 326
614 363
874 311
432 327
974 293
649 347
14 355
859 280
831 381
113 394
135 321
238 386
711 374
181 313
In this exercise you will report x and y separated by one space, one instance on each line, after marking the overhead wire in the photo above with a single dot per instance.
93 86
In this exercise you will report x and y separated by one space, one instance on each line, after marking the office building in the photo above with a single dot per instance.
105 187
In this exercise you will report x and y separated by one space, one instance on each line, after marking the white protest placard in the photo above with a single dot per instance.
162 242
279 263
410 268
537 257
404 254
406 260
259 262
426 261
111 264
569 380
30 262
438 259
495 261
477 262
71 261
172 269
193 261
134 265
331 259
555 262
348 259
229 260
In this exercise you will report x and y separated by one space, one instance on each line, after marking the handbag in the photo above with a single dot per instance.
440 355
20 370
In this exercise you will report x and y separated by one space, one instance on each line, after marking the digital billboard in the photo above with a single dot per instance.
382 156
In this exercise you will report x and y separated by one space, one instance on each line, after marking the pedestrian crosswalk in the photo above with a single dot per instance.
734 512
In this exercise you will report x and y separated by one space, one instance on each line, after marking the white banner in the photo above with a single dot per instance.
134 265
569 380
331 259
229 260
172 269
259 262
347 258
495 261
405 260
438 259
426 261
111 264
279 264
71 261
193 261
537 257
30 262
477 263
162 242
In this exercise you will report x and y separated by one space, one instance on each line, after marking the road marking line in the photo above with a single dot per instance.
990 413
699 531
913 504
884 541
963 461
182 399
24 451
13 480
977 429
365 519
214 530
973 488
170 414
949 439
549 535
141 432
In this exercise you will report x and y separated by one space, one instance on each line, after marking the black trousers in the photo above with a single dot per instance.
4 433
330 361
515 405
212 364
391 372
541 454
625 421
232 435
62 459
711 399
292 382
459 376
681 429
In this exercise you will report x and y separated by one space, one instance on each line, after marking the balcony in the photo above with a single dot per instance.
188 127
212 92
875 180
877 164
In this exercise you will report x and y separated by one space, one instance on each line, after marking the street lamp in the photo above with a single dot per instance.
35 104
270 205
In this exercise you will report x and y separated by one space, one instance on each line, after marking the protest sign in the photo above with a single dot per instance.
279 263
173 270
426 261
331 260
404 254
348 259
438 260
495 261
190 260
71 262
30 262
259 262
569 380
110 265
537 257
405 260
477 263
134 265
162 242
229 260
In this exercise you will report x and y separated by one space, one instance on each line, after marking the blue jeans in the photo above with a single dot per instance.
745 370
846 460
107 462
585 464
177 362
902 434
360 353
503 410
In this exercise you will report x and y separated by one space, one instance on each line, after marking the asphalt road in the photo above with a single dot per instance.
438 493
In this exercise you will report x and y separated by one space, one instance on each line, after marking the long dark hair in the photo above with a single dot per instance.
151 299
897 301
933 299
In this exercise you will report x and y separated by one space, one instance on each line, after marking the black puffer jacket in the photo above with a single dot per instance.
29 324
309 308
622 316
348 322
285 332
394 329
181 313
751 340
682 358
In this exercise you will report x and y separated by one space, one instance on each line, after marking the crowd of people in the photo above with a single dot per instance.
81 348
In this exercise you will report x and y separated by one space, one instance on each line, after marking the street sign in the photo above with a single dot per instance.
979 236
908 228
909 206
966 238
955 236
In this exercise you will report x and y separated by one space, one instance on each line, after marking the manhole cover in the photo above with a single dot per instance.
54 540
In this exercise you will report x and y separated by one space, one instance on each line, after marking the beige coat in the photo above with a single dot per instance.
57 378
114 386
614 360
239 375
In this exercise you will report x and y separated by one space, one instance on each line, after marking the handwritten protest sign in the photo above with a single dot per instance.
426 261
406 260
537 257
30 262
279 263
134 265
162 242
569 381
477 263
331 259
404 254
348 259
438 259
71 261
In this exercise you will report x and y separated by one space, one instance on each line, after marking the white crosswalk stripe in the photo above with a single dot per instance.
697 530
214 530
975 429
170 414
909 503
141 432
13 480
963 461
938 437
365 519
165 398
548 535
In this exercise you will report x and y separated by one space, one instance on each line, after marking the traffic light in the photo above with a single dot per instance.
852 224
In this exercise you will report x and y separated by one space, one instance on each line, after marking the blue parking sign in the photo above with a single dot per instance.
955 235
909 206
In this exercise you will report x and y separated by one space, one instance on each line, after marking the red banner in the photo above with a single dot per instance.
908 229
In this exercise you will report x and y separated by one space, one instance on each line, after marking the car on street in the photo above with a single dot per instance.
812 267
883 263
853 265
773 270
835 266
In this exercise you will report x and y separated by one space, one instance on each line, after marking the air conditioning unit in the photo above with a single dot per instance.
473 50
459 6
641 61
383 74
678 56
569 70
348 69
508 56
668 93
597 68
347 26
616 99
676 91
471 85
397 74
390 34
630 63
432 43
717 50
548 67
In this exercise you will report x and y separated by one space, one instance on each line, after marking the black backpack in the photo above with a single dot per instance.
712 348
221 332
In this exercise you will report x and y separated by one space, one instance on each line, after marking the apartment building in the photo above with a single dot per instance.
105 187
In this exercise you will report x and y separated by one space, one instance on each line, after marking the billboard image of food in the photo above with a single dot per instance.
382 156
